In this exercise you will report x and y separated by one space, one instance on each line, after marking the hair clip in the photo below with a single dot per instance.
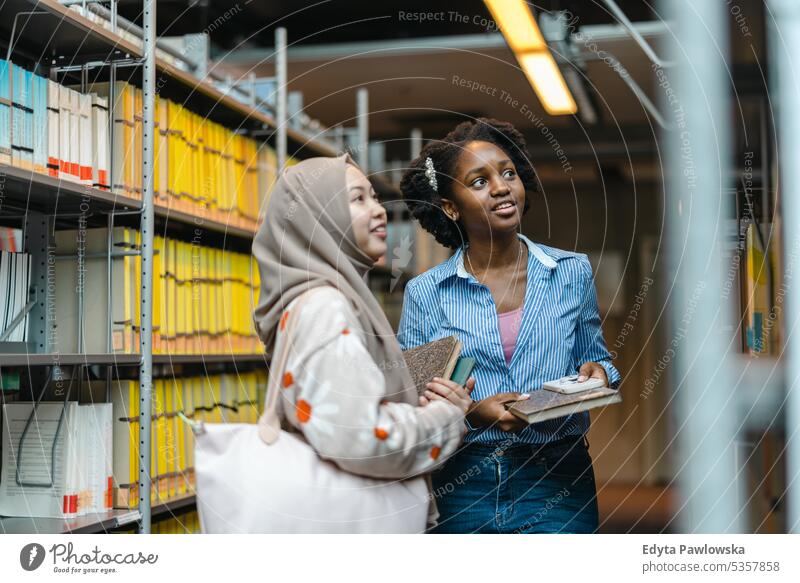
431 174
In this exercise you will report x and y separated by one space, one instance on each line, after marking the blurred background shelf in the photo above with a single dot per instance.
88 524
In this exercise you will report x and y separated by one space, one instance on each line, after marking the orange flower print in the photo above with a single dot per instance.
288 379
346 331
381 433
435 451
325 412
303 411
284 319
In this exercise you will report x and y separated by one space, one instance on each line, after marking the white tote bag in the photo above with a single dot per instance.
262 479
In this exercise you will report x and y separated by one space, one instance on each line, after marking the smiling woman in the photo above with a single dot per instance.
367 213
543 323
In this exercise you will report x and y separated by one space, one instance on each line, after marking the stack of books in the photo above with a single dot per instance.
57 460
203 297
15 278
52 129
227 398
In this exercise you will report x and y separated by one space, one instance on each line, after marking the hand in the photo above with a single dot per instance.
592 370
445 390
491 412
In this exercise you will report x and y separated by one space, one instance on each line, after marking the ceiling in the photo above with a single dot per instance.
453 66
251 23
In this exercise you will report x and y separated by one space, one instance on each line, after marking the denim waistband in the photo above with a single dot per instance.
524 449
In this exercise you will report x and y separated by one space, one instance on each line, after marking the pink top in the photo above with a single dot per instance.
509 329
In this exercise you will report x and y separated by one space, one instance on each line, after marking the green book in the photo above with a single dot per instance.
463 369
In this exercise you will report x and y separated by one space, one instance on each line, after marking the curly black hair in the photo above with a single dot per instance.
425 203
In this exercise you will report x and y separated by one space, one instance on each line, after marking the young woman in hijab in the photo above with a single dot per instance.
346 387
526 312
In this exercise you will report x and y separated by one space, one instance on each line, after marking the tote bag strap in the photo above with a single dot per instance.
269 424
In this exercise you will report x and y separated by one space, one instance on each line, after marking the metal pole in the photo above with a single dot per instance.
784 46
416 142
280 109
698 159
148 216
362 117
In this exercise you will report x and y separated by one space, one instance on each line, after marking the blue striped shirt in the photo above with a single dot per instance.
560 330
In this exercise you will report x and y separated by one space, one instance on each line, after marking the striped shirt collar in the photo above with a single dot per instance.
547 256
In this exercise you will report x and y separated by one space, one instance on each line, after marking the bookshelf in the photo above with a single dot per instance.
90 524
48 36
64 31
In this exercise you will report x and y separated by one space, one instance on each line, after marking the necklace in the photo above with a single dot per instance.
474 271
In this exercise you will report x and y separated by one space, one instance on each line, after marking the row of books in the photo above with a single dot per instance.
67 459
227 398
51 128
203 297
201 167
15 277
186 523
57 459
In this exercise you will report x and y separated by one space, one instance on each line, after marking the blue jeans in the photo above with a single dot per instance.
517 488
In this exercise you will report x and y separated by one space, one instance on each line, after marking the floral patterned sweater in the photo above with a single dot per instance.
333 392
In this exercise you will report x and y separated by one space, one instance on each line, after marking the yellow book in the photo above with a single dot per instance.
213 306
214 398
756 294
251 390
125 438
124 307
171 437
136 308
158 292
187 390
171 295
191 306
180 438
160 476
203 299
138 122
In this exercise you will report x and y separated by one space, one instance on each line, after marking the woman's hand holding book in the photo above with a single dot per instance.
446 390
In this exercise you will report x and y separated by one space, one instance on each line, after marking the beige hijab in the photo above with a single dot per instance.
307 240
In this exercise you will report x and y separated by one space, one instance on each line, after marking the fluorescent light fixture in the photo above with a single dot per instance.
518 26
522 34
546 79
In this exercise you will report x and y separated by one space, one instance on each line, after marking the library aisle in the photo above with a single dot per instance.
655 146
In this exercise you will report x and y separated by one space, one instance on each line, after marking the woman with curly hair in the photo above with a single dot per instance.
527 313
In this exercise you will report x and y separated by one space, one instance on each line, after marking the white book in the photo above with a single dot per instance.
85 138
39 462
74 134
569 385
100 131
70 427
65 143
107 435
53 128
40 116
94 455
14 290
5 291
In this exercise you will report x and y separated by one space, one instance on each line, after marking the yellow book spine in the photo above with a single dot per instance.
133 445
180 438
